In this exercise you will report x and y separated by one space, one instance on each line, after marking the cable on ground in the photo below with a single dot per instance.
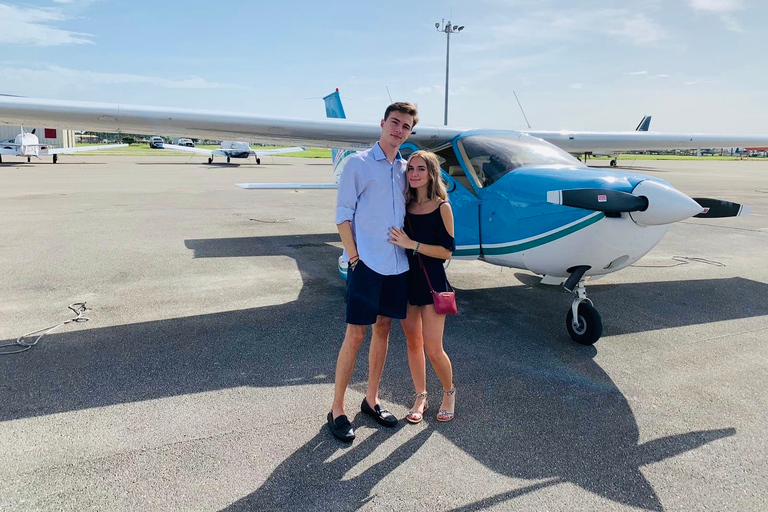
78 308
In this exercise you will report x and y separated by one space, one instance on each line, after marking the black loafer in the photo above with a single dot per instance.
382 416
341 428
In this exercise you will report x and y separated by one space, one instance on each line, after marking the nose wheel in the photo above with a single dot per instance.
583 321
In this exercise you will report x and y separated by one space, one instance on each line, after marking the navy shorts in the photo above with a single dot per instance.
370 294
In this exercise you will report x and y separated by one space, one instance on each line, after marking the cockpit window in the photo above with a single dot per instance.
492 156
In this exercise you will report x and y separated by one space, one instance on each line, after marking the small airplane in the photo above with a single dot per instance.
27 144
518 201
233 149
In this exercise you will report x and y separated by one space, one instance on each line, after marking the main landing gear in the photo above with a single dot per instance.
258 161
615 162
55 158
227 159
210 159
582 321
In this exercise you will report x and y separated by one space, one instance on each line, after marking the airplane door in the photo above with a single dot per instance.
466 209
498 226
465 206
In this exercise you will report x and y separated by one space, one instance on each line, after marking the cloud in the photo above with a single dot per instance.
716 5
31 26
660 75
74 77
570 25
635 73
576 86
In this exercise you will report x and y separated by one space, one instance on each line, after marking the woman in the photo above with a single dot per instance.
428 240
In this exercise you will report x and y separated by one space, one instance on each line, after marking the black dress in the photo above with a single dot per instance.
427 228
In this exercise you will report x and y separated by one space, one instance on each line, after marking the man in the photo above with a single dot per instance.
371 199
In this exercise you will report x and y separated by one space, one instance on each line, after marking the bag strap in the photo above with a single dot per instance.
421 263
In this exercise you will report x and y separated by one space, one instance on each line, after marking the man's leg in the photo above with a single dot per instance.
377 356
345 365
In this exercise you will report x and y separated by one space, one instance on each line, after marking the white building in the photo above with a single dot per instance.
53 136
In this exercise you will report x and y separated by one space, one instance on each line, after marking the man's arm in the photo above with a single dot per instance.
345 231
346 205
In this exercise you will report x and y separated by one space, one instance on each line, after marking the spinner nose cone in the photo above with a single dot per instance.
666 204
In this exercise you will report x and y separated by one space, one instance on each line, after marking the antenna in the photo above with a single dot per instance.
521 110
390 96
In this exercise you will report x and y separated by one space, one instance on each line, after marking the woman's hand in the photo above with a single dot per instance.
398 237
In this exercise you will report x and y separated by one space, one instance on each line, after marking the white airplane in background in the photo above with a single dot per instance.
26 144
518 200
233 149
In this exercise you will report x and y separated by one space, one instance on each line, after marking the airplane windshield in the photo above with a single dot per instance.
490 157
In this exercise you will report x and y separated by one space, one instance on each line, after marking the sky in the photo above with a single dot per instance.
695 65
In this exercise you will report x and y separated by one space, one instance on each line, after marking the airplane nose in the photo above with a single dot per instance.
666 204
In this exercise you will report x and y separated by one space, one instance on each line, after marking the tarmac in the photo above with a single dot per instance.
204 375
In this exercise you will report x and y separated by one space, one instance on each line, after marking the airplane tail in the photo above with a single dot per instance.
645 123
333 107
334 110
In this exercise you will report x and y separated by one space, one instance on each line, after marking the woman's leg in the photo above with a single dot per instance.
412 328
432 329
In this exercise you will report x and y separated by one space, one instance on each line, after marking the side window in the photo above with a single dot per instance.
450 164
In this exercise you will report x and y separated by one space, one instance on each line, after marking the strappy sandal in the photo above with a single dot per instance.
416 417
444 415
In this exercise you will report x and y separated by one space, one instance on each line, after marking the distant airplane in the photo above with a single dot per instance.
26 144
518 201
234 149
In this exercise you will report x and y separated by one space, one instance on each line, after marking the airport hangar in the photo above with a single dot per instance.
51 136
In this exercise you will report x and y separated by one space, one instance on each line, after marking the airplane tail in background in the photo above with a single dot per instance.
334 110
333 106
645 123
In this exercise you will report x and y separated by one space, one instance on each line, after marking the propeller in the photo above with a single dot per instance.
598 199
716 208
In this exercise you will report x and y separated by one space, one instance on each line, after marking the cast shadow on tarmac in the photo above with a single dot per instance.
533 405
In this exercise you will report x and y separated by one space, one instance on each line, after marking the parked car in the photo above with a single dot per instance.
186 142
156 142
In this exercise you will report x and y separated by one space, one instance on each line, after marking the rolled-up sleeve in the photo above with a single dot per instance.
346 198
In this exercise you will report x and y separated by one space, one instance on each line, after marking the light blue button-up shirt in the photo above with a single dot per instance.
372 197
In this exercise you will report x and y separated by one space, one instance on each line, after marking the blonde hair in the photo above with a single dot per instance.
435 187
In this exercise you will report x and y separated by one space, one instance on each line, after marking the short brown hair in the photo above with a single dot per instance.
403 107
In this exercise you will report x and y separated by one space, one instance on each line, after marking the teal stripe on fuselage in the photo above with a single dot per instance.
523 246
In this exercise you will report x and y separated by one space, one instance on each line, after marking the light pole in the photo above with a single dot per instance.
448 29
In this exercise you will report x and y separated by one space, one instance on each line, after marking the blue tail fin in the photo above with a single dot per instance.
333 106
645 123
335 110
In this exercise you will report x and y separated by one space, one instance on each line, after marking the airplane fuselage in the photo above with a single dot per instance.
498 190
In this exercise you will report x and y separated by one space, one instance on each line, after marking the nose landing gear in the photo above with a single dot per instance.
582 321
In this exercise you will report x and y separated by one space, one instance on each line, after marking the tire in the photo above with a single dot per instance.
210 160
258 161
227 159
613 163
55 158
590 325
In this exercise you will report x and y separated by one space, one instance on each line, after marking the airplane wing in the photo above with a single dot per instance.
112 117
11 152
288 186
187 149
607 142
277 151
333 133
58 151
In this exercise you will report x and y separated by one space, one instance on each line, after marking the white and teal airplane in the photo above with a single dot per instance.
519 201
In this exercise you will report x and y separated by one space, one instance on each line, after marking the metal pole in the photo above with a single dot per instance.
447 60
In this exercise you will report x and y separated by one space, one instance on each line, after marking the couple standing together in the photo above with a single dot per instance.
396 226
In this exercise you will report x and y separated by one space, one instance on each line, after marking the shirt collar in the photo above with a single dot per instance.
378 153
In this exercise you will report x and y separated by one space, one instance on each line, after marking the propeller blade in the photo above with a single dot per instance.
716 208
598 199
